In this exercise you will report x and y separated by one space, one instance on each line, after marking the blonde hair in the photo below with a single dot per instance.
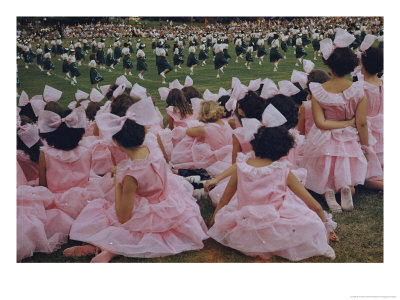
210 112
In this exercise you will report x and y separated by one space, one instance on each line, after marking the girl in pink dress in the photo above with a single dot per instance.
65 164
212 149
250 106
28 149
372 64
265 211
153 215
306 120
334 153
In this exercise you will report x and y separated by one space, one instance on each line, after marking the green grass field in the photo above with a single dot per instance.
360 231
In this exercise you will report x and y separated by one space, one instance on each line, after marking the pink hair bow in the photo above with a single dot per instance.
285 88
342 39
95 95
104 89
51 94
142 112
254 85
119 90
29 134
271 117
49 121
122 80
207 95
302 77
138 91
36 102
163 91
239 91
79 95
368 41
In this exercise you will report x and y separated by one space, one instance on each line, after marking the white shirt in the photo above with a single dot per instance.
275 43
140 53
125 51
299 42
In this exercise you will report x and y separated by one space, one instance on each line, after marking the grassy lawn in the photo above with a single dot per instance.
360 231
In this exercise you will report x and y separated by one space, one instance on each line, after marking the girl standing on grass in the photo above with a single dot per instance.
336 154
275 55
48 64
178 61
141 61
249 57
220 61
110 61
278 218
143 189
300 52
101 58
95 76
65 64
127 62
261 52
203 56
163 67
74 71
192 61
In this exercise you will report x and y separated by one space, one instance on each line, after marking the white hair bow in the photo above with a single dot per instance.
163 91
342 39
302 77
285 88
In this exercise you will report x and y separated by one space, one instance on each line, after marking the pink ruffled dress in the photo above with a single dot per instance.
21 179
309 120
333 158
89 128
217 192
39 229
375 116
170 138
264 219
165 219
68 177
30 168
213 152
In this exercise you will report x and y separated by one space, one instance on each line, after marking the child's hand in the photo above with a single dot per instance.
210 183
352 122
332 237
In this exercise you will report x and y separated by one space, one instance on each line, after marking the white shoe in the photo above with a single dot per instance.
193 179
66 78
259 62
294 52
222 69
48 73
74 80
162 74
125 74
346 199
236 61
262 58
315 58
319 54
79 63
67 75
217 76
109 70
176 70
284 57
331 201
301 60
241 55
296 64
191 73
164 82
72 83
245 63
275 69
130 73
26 67
179 67
248 68
59 59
